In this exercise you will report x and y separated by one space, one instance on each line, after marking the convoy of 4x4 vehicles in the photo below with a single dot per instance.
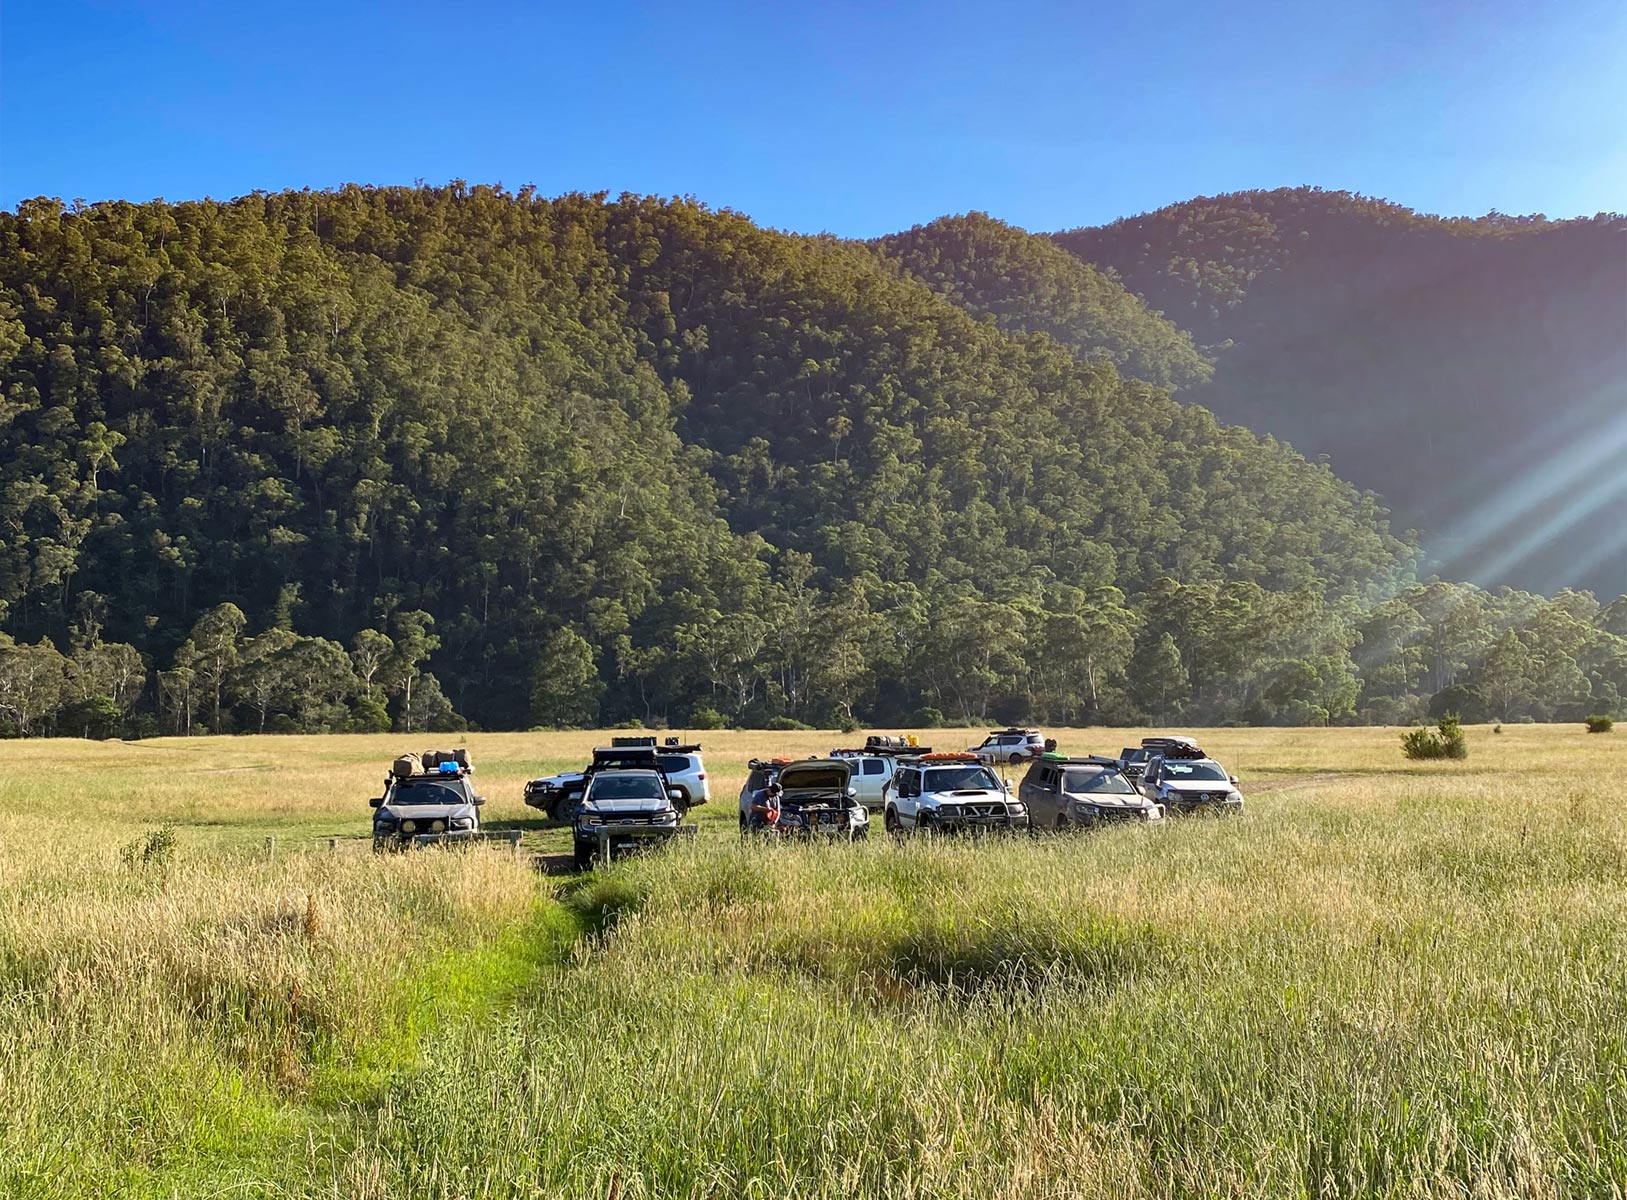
635 792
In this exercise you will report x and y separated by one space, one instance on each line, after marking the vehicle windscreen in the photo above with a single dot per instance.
960 779
1179 772
1136 755
627 787
427 793
1102 782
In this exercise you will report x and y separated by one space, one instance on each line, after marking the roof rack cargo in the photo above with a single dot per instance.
941 756
881 743
432 762
1173 747
887 746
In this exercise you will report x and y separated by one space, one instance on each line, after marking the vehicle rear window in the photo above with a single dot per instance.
675 764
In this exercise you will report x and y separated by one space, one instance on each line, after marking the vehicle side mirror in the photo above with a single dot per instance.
1233 779
852 793
477 800
674 794
375 802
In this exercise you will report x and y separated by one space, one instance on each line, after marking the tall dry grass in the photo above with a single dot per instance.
1386 979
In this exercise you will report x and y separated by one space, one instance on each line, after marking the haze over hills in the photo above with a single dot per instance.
1473 373
589 460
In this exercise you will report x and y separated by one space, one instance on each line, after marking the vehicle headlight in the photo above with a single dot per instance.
409 826
1086 810
463 822
666 818
945 810
1017 808
589 819
437 826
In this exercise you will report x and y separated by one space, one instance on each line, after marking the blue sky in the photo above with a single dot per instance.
849 117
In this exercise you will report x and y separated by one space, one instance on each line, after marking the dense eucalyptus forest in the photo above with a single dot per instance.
422 457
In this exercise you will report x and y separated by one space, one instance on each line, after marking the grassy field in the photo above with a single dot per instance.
1386 979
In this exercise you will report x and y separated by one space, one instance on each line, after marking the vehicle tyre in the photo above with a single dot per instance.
1015 759
583 856
1062 822
889 822
860 836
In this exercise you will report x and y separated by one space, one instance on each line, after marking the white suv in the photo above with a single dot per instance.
684 769
1010 746
949 792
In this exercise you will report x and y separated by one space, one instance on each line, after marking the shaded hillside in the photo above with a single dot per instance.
626 453
1472 372
1028 284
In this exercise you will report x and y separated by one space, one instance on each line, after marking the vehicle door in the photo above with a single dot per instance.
1148 783
907 796
869 776
1032 790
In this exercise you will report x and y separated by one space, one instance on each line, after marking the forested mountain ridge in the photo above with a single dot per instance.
1466 370
354 458
1027 283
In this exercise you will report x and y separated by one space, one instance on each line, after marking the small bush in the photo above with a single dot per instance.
1600 723
784 723
706 717
1446 740
154 850
929 718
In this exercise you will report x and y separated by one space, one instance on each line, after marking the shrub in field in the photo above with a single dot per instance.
154 850
1601 723
784 724
706 717
1446 740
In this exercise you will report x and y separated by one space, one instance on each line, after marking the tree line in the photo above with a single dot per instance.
876 654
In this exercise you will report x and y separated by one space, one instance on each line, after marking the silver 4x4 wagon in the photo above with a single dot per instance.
427 798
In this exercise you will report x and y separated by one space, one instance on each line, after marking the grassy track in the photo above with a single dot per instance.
1387 979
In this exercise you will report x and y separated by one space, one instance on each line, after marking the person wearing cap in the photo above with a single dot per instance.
765 806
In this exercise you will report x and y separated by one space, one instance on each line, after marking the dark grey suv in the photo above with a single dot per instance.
1082 793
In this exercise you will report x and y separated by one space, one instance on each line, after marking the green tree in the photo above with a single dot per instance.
565 683
211 651
1159 681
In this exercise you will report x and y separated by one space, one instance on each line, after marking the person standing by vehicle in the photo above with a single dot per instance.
765 807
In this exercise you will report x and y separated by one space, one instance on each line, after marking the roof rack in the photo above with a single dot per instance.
1093 760
1012 729
770 764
